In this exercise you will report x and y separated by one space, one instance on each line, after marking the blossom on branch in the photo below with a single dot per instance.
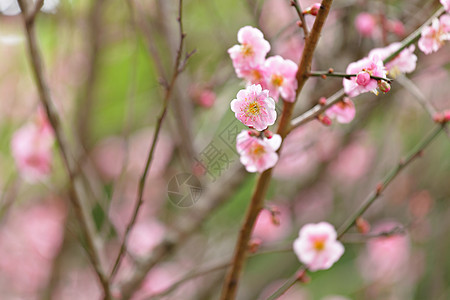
363 81
254 108
317 246
344 111
250 53
280 77
404 62
257 153
434 36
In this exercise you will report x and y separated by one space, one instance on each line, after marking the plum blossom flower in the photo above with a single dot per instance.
254 108
434 36
404 62
317 246
11 7
446 4
365 23
257 153
363 82
250 53
344 111
280 77
31 148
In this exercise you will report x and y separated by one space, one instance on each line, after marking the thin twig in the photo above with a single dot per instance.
230 286
371 198
83 216
168 93
343 75
298 9
417 152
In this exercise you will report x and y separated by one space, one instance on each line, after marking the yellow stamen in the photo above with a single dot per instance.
253 109
319 245
277 80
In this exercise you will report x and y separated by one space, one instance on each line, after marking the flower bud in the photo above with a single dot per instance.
313 9
268 134
362 225
324 119
363 78
384 86
254 244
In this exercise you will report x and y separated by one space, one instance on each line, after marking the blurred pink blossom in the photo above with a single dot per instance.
446 4
257 153
280 77
31 148
386 258
29 241
254 108
434 36
404 62
144 236
78 284
396 27
267 230
207 98
251 52
365 23
317 246
362 83
344 111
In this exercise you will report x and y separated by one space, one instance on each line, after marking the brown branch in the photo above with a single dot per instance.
230 286
298 9
168 94
83 215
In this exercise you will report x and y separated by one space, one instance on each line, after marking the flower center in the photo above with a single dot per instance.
247 50
257 150
319 244
253 109
277 80
257 76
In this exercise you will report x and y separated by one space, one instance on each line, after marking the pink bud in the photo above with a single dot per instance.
396 27
254 244
268 134
313 9
322 101
362 225
363 78
447 115
324 119
384 86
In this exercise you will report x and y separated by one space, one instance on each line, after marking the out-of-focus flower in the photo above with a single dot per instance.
317 246
144 236
266 227
396 27
434 36
257 153
446 4
344 111
11 7
254 108
387 256
365 23
251 52
362 83
280 77
31 148
203 96
404 62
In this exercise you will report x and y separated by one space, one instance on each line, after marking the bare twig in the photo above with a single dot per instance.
83 216
298 9
343 75
232 279
168 94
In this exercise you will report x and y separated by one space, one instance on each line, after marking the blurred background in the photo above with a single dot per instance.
106 62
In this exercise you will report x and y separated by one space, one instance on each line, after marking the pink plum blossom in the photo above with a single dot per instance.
317 246
31 148
344 111
280 77
362 83
365 23
387 257
446 4
254 108
267 229
434 36
404 62
251 52
257 153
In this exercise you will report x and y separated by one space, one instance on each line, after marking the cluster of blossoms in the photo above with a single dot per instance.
371 25
274 73
31 148
434 36
267 80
